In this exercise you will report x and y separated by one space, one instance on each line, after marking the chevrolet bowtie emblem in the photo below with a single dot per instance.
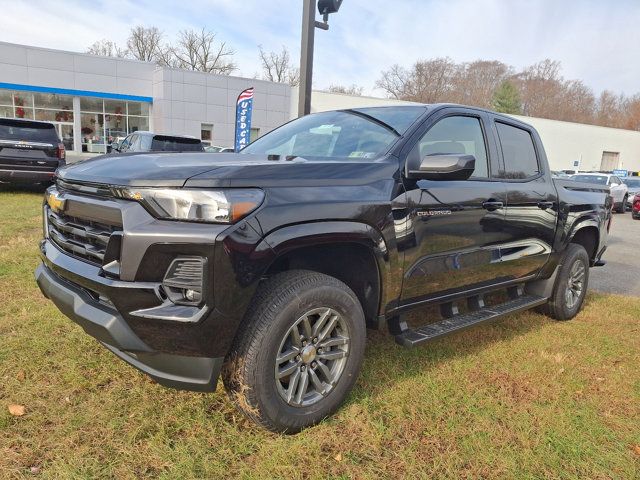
55 202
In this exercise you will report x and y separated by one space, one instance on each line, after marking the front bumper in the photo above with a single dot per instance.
108 327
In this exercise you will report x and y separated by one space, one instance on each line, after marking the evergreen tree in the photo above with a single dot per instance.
506 99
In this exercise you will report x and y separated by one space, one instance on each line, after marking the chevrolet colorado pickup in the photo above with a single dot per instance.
266 266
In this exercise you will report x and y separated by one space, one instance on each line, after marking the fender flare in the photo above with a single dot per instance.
581 224
293 237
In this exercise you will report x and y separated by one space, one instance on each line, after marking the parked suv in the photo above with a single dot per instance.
30 151
633 186
265 266
154 142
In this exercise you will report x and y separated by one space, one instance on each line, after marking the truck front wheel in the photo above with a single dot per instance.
298 352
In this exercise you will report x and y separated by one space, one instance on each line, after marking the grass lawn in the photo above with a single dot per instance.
526 397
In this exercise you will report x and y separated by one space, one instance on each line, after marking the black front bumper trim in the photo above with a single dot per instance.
108 327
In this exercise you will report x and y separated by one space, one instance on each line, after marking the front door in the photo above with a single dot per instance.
453 229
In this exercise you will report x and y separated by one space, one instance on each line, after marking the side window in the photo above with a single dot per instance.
520 160
457 134
125 144
133 143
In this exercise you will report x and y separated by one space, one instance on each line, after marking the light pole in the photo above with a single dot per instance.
309 24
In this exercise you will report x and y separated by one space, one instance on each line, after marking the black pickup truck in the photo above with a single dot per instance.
267 266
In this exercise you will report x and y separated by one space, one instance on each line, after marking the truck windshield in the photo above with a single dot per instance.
360 133
601 179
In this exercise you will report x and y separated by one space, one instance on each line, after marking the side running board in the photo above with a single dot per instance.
456 322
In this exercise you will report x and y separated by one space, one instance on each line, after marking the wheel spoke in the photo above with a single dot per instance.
332 355
293 385
325 371
316 382
302 387
333 342
306 325
320 322
295 336
286 371
330 326
288 355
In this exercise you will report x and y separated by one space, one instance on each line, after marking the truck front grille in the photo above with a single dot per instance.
79 237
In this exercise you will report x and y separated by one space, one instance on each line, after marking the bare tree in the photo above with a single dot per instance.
277 67
428 81
476 82
106 48
354 90
144 43
197 50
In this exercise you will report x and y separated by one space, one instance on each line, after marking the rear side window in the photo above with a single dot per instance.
520 160
162 143
27 131
457 135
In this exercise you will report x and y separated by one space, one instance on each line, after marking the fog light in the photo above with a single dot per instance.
184 281
192 295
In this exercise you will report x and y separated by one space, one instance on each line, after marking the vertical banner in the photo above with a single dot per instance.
244 107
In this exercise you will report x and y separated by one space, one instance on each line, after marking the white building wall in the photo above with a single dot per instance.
44 67
185 100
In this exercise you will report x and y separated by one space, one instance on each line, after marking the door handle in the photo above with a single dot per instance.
545 205
492 205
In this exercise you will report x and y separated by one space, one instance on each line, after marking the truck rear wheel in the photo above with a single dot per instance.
571 284
298 353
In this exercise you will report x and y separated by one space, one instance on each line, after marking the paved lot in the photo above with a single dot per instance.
621 274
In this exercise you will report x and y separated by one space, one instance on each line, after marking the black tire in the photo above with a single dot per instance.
249 373
622 206
559 306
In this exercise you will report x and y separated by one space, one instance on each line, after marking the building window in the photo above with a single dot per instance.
47 107
206 133
105 121
254 135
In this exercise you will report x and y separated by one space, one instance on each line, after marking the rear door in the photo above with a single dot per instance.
532 199
453 230
29 146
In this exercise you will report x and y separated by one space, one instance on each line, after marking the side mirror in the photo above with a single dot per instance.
115 147
444 167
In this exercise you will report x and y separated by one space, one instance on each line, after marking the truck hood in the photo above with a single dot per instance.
206 170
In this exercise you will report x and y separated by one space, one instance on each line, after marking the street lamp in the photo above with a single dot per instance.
309 24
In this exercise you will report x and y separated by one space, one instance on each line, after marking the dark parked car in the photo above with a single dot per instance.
155 142
30 151
267 265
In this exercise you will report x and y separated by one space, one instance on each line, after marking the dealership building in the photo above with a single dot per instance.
93 100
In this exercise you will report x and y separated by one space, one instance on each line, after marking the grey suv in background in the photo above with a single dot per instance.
30 151
153 142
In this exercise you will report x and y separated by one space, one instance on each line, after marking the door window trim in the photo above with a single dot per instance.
541 171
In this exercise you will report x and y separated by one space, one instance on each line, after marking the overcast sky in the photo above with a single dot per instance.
596 41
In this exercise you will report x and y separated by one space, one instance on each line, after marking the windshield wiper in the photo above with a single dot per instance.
375 120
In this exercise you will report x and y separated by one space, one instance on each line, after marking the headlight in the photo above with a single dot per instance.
209 206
